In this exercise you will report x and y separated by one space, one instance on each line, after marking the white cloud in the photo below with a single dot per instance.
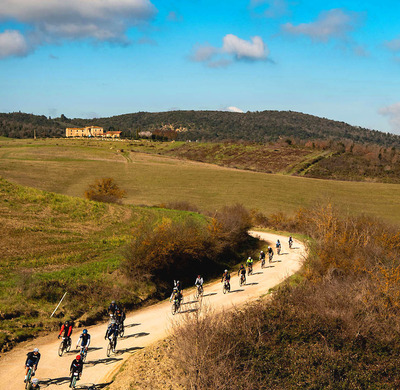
55 20
336 23
275 8
254 50
393 45
234 109
233 48
13 44
393 113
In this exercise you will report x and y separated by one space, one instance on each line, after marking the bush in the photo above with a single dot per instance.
105 190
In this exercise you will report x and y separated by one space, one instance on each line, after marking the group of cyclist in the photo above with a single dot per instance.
32 360
117 317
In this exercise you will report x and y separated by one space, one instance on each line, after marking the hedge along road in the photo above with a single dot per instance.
143 327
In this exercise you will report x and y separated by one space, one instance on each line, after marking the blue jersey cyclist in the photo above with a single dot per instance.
84 341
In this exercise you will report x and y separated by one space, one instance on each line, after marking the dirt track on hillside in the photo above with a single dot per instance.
143 327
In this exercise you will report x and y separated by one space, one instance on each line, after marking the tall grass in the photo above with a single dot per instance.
337 328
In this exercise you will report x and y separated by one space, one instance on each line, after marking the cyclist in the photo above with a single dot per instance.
76 366
199 281
176 291
242 271
34 385
120 317
84 341
270 253
67 329
112 308
290 241
226 277
32 361
278 247
262 256
112 329
249 264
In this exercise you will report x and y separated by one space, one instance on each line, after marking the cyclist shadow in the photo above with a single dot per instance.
46 382
188 303
94 348
237 290
191 310
131 349
136 335
106 361
251 284
131 325
257 273
209 294
93 386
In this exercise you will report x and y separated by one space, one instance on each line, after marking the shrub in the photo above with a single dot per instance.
105 190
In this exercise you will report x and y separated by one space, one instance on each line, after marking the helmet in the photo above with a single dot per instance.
35 381
84 331
269 247
36 350
66 322
113 302
249 258
177 282
199 276
226 270
261 252
78 357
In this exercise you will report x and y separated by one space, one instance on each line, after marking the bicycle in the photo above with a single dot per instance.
83 354
74 378
29 376
199 291
278 250
65 346
226 287
121 329
250 269
112 344
176 306
290 244
270 256
263 262
242 280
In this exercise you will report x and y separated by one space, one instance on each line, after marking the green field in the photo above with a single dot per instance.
69 166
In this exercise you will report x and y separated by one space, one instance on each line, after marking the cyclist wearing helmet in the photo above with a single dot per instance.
112 329
270 253
177 291
34 385
199 281
67 329
249 264
32 361
242 270
112 308
84 341
226 276
76 366
262 255
120 317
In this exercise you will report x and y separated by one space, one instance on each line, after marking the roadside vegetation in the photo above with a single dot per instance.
94 251
335 326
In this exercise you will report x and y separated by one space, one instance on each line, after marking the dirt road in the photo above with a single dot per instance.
143 327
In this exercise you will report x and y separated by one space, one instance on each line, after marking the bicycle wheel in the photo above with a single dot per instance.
173 308
61 349
68 348
122 331
73 381
109 348
224 289
28 378
114 344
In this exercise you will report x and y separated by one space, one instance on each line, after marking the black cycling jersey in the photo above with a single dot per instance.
76 366
112 308
32 358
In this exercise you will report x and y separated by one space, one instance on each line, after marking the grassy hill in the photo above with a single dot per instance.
53 243
69 166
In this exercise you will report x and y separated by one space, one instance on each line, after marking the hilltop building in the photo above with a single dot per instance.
88 131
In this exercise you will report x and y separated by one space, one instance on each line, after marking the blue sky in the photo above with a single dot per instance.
92 58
